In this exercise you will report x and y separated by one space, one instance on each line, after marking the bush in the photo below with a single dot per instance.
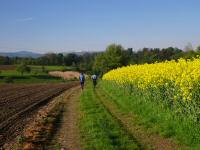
8 80
22 68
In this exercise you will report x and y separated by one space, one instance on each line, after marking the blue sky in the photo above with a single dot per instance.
67 25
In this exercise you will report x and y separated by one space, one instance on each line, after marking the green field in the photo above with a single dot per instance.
37 75
114 118
149 116
52 68
33 77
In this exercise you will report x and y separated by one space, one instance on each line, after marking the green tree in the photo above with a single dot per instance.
100 64
44 69
70 59
198 49
60 59
115 56
23 68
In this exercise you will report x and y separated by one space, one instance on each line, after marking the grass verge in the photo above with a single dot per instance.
152 116
99 129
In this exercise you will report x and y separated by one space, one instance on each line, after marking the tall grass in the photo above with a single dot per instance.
155 117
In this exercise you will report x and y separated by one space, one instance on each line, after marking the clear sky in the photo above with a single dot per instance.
66 25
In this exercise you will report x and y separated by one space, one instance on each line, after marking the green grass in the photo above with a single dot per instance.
52 68
13 76
36 75
99 130
152 116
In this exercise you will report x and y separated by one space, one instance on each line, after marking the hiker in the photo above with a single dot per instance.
82 80
94 79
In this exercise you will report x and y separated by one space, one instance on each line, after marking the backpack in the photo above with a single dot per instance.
82 78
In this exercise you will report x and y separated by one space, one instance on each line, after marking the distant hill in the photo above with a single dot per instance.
21 54
80 53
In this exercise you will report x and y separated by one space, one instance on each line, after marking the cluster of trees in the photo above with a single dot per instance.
114 56
82 62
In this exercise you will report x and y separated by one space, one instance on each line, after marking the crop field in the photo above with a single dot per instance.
165 95
8 74
67 75
18 102
37 68
100 75
177 82
7 67
150 106
51 68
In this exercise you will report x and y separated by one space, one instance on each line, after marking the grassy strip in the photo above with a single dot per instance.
12 76
99 130
153 116
51 68
148 140
37 75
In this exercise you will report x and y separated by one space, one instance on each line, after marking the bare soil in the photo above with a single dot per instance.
19 102
7 67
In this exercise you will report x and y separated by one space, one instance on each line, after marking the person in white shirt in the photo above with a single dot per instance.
94 79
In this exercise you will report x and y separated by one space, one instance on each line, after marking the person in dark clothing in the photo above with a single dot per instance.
82 80
94 79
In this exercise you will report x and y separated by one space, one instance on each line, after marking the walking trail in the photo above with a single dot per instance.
67 133
148 141
67 136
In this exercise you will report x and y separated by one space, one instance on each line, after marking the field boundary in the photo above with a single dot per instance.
148 141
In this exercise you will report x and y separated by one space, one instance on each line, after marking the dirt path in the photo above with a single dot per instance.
67 135
148 141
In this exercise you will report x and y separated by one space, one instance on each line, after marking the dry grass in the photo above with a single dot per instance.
68 75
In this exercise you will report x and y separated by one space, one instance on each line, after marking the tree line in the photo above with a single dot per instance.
100 62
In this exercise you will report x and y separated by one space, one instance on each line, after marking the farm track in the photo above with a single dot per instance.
67 134
148 141
23 104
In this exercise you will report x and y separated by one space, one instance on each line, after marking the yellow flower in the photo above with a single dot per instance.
181 76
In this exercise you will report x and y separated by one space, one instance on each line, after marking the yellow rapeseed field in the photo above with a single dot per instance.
180 76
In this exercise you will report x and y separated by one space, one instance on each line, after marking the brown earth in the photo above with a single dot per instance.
7 67
19 102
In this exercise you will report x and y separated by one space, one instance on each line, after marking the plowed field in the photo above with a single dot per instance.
17 102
